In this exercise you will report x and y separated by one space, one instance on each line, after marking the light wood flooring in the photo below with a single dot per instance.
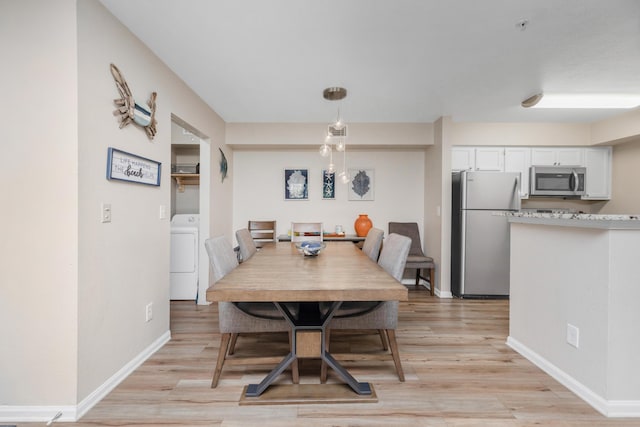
459 372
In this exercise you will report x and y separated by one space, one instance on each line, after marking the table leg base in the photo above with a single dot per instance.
314 322
254 390
362 389
358 387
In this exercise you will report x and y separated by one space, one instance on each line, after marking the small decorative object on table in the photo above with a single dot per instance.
310 248
362 225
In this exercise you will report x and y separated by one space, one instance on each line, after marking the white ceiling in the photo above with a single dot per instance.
401 60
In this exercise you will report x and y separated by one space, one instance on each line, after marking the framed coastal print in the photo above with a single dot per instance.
328 185
296 184
361 185
125 166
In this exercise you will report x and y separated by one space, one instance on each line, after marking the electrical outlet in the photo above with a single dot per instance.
149 312
105 212
573 335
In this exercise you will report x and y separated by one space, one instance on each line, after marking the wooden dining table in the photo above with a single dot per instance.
279 273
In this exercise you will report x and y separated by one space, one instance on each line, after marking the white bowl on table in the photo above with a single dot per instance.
310 248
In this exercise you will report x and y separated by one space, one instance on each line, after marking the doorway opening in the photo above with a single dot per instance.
190 211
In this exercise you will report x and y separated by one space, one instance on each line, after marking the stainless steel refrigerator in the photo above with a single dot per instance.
479 238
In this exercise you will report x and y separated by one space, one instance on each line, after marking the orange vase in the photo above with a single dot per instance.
362 225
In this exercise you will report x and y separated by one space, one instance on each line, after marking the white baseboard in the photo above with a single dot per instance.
34 414
438 292
443 294
70 413
608 408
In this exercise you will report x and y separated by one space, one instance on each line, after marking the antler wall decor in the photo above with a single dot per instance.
129 111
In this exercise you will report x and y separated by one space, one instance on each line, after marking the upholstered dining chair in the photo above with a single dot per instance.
372 243
236 318
376 315
246 244
417 259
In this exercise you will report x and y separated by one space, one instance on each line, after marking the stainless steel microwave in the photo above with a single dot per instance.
560 181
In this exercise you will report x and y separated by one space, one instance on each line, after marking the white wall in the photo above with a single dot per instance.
259 188
617 129
39 170
587 278
522 134
124 265
74 290
549 290
436 206
625 176
294 135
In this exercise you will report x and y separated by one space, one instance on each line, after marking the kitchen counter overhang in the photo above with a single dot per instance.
608 222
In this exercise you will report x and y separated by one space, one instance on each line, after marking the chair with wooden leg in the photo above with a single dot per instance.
371 247
417 259
237 318
375 315
246 249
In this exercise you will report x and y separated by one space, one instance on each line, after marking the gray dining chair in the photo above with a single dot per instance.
246 244
237 318
417 259
372 243
376 315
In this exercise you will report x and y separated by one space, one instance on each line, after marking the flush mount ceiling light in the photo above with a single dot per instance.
336 134
582 100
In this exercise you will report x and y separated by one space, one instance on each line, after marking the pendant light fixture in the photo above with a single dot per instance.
336 135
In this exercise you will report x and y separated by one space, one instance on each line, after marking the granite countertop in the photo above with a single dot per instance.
575 219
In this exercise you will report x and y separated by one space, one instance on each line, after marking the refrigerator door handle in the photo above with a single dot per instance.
517 193
463 250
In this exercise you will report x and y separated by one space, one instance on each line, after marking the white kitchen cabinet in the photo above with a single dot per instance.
490 159
597 160
598 179
478 158
554 156
518 159
570 156
463 158
543 156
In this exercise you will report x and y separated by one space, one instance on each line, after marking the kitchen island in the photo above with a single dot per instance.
574 303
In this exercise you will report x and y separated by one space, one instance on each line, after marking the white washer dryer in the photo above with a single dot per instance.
184 256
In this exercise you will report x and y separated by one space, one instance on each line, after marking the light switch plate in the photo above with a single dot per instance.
105 212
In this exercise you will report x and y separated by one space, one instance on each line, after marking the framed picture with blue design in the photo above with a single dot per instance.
362 184
296 184
328 185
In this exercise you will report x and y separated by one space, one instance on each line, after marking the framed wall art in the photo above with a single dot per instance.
296 184
328 185
125 166
362 184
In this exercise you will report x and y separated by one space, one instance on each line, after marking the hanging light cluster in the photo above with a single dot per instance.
336 135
